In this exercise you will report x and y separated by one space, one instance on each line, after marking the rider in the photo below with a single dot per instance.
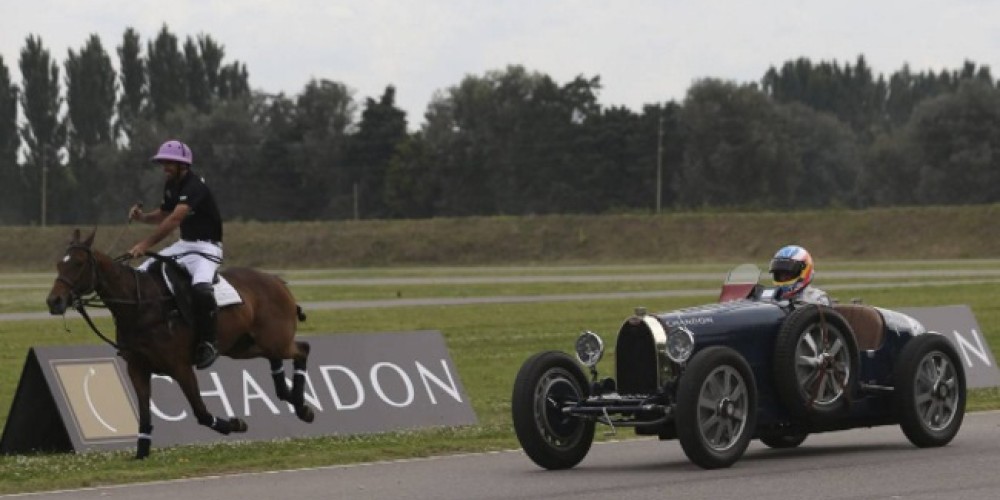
792 269
188 204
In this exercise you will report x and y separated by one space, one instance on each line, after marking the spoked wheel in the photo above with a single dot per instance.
716 408
815 362
930 390
547 383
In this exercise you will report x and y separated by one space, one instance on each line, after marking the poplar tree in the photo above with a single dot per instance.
43 131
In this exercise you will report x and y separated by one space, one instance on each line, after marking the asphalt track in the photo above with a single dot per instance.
877 463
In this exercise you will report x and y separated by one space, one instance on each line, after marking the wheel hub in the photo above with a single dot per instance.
941 391
726 408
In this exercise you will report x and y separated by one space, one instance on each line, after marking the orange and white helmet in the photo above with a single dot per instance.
792 270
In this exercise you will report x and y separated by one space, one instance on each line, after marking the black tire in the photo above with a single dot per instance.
546 383
781 440
930 390
815 362
716 435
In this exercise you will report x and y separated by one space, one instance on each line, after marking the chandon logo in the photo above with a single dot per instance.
341 388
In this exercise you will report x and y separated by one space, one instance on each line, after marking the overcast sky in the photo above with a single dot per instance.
644 51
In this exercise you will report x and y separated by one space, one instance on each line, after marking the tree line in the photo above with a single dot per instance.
508 142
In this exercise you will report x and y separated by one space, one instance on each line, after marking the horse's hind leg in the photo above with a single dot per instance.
140 378
299 360
278 376
189 385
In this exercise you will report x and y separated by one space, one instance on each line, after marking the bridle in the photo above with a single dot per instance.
80 299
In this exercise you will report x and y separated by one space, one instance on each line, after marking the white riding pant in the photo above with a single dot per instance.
202 269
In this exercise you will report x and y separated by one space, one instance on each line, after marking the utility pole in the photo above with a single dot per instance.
659 164
357 216
45 171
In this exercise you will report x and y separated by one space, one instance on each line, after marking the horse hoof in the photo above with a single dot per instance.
305 414
142 449
237 425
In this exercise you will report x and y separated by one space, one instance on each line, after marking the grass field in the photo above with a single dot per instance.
487 343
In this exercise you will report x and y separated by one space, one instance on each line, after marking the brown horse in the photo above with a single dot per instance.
151 340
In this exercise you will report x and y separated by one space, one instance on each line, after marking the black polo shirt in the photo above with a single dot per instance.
203 222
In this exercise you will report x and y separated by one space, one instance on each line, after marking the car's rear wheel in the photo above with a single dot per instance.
815 362
783 439
716 407
546 383
930 390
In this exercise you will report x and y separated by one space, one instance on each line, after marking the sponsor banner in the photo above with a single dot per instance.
81 399
959 324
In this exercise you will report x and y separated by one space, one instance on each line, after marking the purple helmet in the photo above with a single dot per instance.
174 151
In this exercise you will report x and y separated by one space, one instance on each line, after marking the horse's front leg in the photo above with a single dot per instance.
140 378
186 378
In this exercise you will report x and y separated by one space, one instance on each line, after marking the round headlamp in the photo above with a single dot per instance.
589 348
680 344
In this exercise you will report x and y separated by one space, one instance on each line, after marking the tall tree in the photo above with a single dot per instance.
324 114
133 83
958 136
167 74
91 89
410 188
380 131
199 92
211 56
44 131
10 178
732 137
234 81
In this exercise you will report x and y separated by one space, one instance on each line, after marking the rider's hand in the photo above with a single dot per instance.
139 249
135 213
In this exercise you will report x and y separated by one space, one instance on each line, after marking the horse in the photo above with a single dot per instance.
152 341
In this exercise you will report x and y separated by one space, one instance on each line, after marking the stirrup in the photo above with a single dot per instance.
205 355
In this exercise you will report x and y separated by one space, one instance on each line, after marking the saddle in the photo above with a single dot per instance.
178 281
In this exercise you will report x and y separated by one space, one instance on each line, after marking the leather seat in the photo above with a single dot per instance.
867 323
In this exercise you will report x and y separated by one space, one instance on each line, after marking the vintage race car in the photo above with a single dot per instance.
718 375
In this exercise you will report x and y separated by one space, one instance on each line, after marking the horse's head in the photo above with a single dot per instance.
77 274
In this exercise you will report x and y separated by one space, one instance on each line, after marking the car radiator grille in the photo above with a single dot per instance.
635 357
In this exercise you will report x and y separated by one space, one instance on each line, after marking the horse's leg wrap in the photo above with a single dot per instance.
221 426
278 376
298 383
302 411
144 442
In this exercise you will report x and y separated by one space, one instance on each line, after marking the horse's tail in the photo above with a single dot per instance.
299 313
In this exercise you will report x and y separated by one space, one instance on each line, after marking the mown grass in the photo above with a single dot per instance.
958 232
487 342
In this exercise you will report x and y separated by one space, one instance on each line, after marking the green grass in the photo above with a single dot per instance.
487 342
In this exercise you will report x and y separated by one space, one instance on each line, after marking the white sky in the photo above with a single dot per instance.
645 51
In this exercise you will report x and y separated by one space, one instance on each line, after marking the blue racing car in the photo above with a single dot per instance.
748 367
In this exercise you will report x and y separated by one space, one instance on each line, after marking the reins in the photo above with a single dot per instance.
82 299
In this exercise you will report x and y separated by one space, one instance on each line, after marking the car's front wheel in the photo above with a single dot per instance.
546 383
716 408
930 390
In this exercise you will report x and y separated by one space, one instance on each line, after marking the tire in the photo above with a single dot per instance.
930 390
715 435
784 440
546 383
815 363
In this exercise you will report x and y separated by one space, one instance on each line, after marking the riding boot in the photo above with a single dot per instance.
205 319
